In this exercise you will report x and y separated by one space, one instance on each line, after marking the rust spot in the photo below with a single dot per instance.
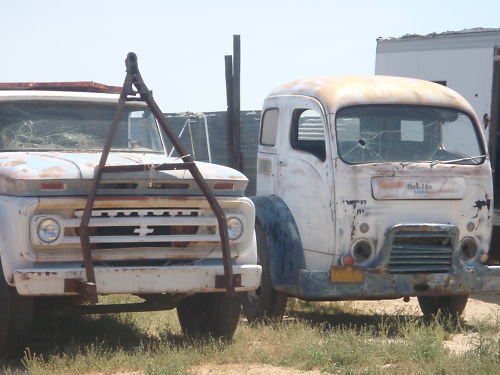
390 184
52 172
13 163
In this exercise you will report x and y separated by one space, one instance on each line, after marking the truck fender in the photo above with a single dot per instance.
285 248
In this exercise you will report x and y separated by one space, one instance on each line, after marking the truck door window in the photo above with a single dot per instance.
269 127
308 132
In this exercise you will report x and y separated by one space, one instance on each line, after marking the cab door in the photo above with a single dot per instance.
305 180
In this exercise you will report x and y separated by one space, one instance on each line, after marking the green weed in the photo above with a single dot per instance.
330 337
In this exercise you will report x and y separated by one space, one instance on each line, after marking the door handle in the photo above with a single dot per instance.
283 163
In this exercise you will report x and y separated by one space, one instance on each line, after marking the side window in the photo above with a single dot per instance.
308 132
269 127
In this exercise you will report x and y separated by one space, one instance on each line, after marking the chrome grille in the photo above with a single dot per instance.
132 226
421 252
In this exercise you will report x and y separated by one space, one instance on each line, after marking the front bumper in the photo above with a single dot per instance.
134 280
379 285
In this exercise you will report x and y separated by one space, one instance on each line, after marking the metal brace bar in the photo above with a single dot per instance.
133 78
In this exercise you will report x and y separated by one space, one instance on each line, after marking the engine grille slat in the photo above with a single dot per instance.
132 221
422 235
422 248
418 261
422 256
149 238
421 269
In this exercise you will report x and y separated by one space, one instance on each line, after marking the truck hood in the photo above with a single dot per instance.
45 173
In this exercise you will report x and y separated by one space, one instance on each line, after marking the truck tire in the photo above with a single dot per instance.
449 306
16 318
265 303
209 315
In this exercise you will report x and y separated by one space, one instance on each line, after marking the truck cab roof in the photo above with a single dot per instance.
336 92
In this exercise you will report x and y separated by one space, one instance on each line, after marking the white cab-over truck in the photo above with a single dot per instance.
151 231
371 187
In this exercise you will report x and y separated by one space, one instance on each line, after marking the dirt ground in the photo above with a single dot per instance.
248 369
477 309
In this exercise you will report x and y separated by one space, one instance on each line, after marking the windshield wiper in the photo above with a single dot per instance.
458 160
434 162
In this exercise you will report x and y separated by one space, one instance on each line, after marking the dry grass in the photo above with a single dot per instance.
328 337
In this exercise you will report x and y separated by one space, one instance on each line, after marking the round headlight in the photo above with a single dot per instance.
468 249
49 230
234 228
362 251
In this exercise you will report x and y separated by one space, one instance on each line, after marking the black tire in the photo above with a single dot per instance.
209 315
448 306
16 318
265 303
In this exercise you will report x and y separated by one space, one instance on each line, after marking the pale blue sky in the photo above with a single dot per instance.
181 44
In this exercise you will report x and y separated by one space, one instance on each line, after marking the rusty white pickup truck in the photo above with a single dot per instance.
151 230
372 187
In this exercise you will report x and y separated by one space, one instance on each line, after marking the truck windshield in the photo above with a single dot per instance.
401 133
64 126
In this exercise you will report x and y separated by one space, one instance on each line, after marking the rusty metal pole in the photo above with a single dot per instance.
91 289
238 163
147 96
231 157
133 78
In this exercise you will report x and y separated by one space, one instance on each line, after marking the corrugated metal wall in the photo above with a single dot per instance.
216 122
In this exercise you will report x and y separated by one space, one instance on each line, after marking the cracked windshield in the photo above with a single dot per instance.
398 133
62 126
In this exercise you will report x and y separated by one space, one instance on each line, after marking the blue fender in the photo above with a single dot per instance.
283 240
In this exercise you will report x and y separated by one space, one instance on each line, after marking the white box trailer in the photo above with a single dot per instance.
466 61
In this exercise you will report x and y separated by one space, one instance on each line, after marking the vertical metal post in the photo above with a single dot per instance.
238 164
233 68
228 59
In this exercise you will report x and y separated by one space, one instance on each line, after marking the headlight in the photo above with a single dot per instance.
362 251
468 249
234 228
49 230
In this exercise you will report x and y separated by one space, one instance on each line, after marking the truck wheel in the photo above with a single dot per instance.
209 315
265 303
449 306
16 318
